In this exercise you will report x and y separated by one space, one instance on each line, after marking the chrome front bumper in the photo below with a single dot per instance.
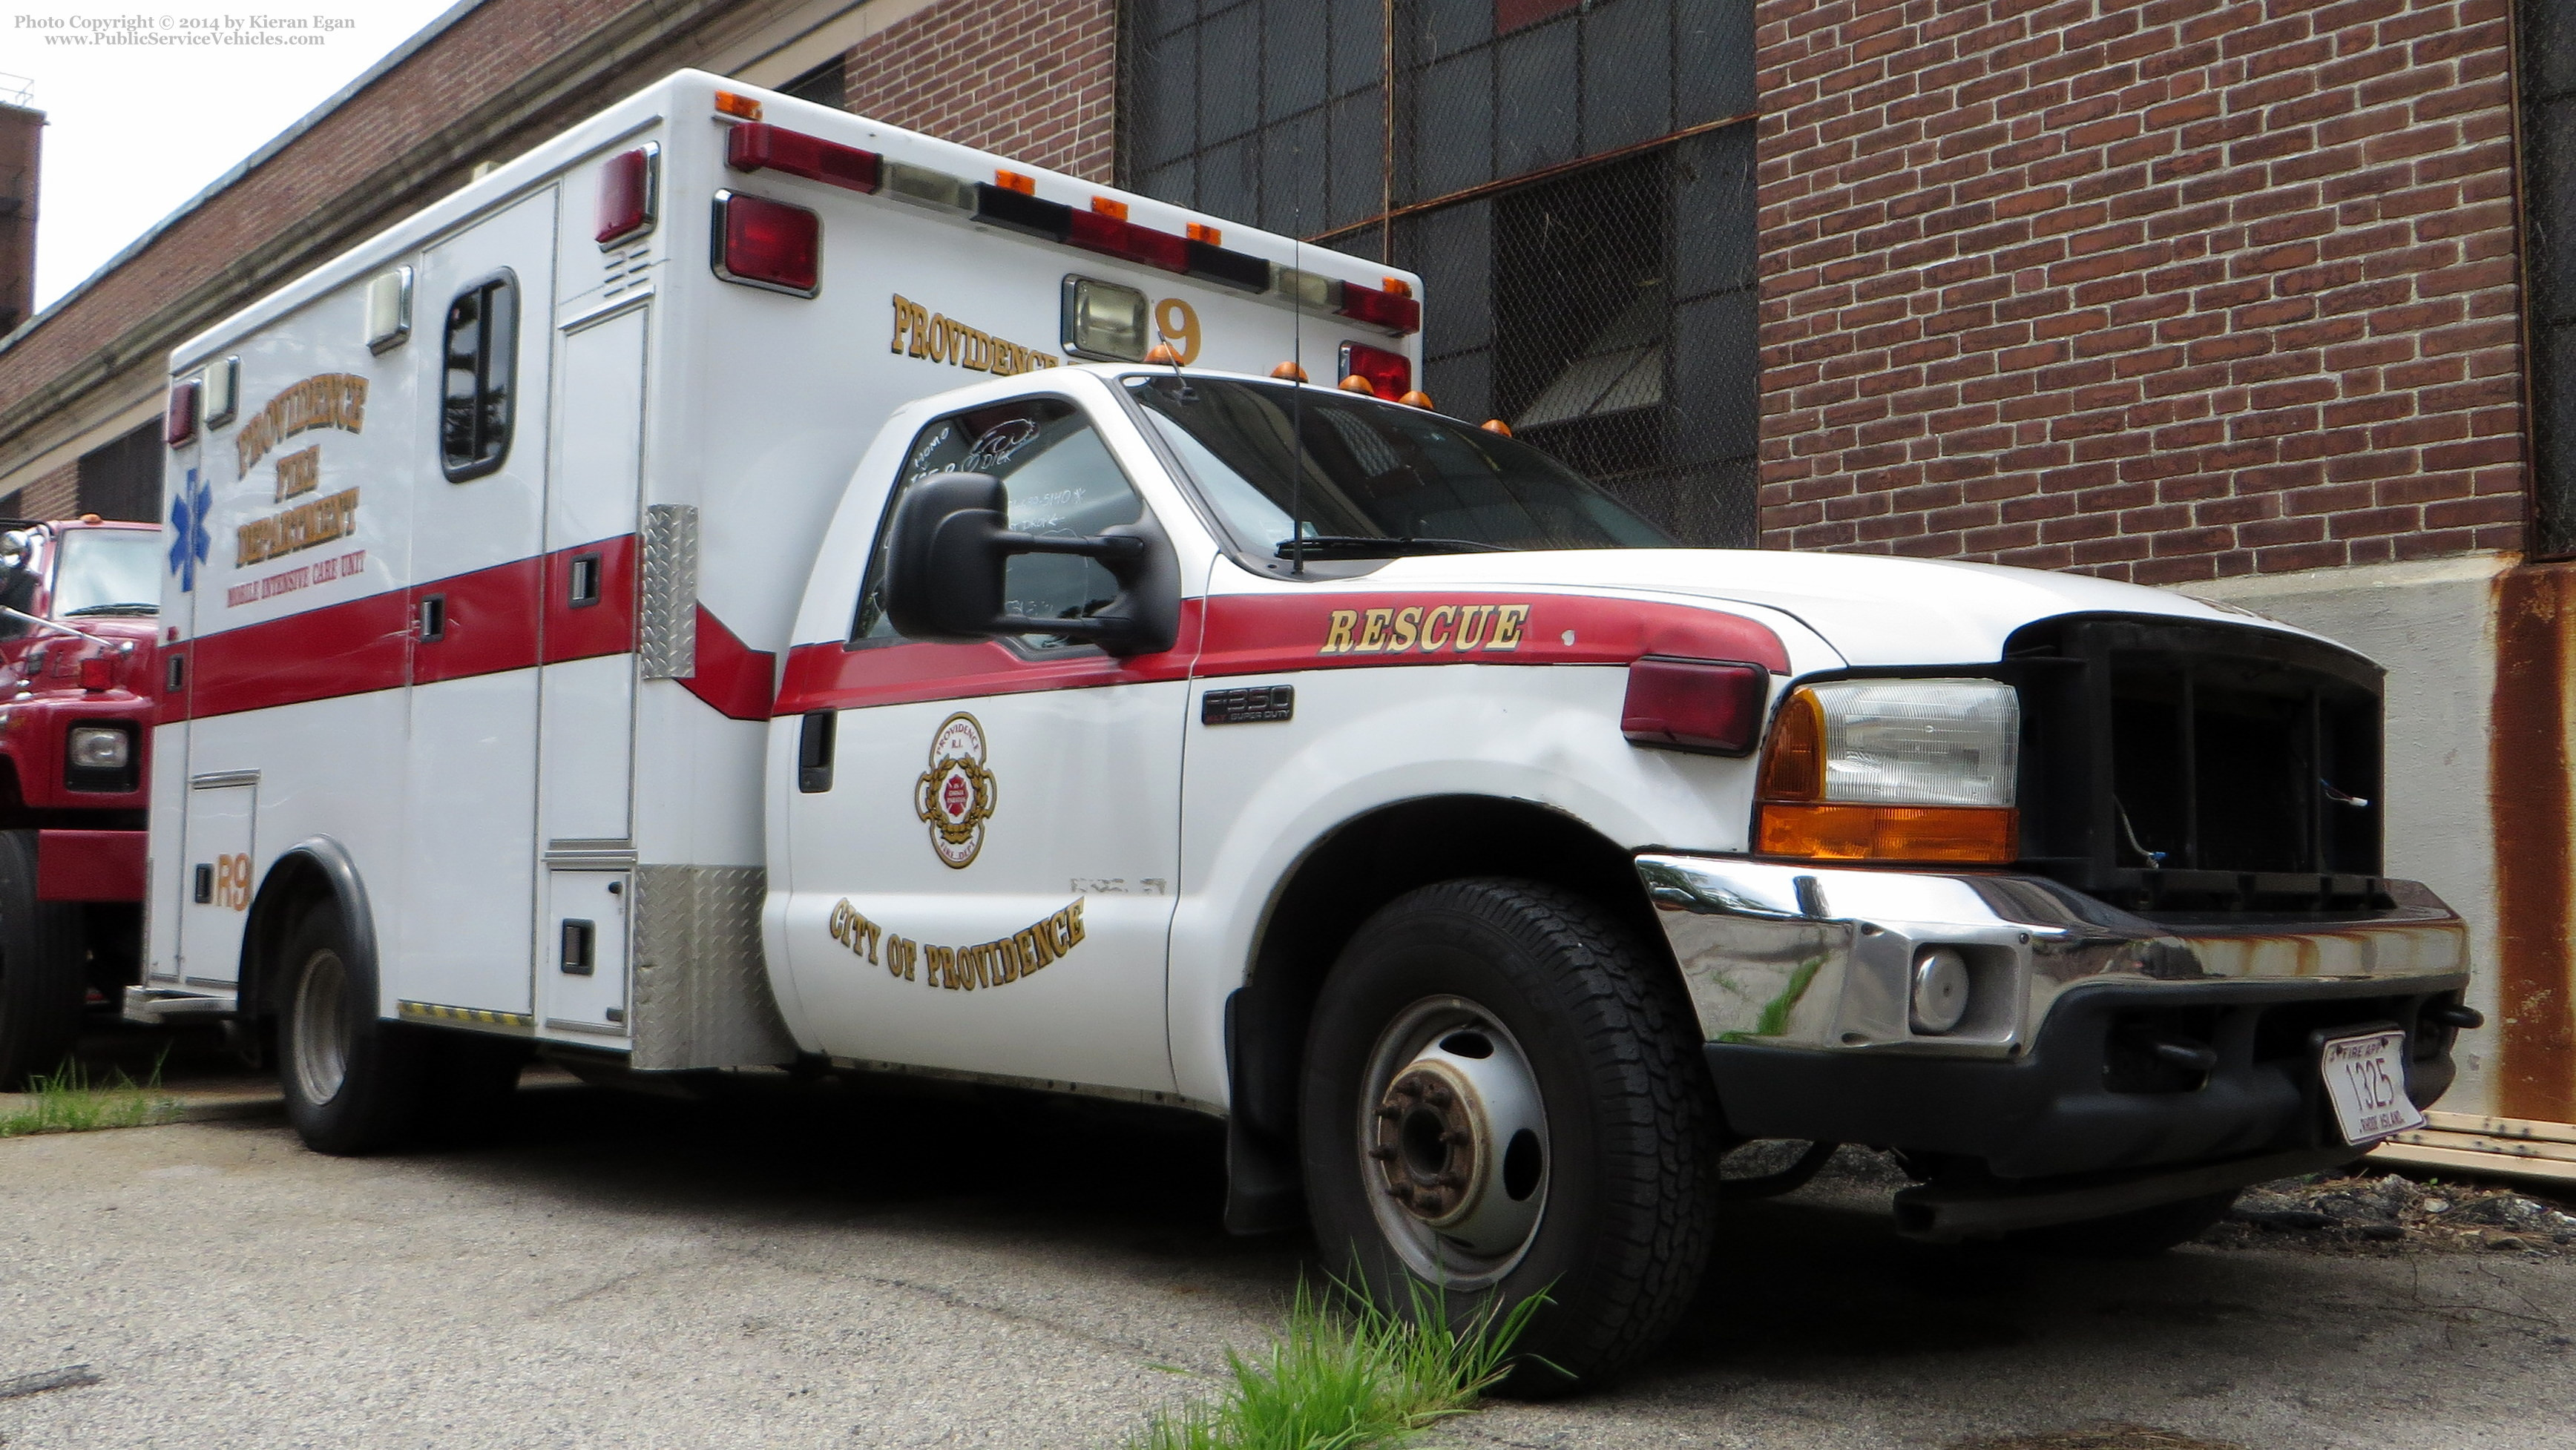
1820 958
2101 1053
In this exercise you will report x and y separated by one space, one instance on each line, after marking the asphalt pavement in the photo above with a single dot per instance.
871 1266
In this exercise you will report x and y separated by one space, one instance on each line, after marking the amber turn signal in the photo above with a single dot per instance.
1978 835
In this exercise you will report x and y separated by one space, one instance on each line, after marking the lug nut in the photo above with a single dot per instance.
1389 1111
1454 1137
1382 1153
1438 1097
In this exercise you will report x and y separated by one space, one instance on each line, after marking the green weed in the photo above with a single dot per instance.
69 1102
1345 1374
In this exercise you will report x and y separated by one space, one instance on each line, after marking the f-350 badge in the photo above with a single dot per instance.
955 796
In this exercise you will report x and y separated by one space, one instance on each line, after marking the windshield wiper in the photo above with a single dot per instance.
1362 546
130 608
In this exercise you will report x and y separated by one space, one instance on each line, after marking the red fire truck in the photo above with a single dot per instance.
78 621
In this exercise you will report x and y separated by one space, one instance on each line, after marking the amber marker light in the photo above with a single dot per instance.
1116 210
1958 746
1202 232
740 107
1497 425
1357 384
1161 353
1020 182
1289 372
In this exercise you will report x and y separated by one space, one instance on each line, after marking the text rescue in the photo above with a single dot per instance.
1429 629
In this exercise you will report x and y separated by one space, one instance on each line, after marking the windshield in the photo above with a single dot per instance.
108 571
1378 480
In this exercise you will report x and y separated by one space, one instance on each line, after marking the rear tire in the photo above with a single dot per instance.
2141 1234
352 1081
44 989
1503 1098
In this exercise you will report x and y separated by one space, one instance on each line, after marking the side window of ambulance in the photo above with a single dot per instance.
1060 480
480 391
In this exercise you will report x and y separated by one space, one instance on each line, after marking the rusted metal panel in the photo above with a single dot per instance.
2529 800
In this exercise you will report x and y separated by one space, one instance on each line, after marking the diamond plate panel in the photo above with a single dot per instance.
702 994
666 622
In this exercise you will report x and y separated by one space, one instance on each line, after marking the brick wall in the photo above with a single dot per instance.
2157 289
1031 79
484 51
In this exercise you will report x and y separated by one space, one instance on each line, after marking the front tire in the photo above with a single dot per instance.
44 989
1503 1098
352 1081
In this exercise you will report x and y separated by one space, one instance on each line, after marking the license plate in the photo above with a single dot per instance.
2366 1077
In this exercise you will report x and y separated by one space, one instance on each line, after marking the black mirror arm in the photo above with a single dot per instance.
1111 550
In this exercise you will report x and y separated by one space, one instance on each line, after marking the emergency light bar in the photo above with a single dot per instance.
758 147
1009 201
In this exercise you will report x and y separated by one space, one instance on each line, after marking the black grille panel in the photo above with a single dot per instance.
2200 770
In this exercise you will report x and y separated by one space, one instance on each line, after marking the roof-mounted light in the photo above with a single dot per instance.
1399 315
1388 374
759 147
179 423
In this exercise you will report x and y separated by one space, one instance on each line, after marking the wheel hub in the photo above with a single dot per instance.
1454 1144
1431 1146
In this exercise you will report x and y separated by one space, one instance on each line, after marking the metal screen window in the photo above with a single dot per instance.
1573 182
2548 82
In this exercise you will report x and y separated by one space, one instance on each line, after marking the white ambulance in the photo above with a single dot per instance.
745 585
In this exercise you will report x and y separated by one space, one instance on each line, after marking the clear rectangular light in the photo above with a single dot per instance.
1920 742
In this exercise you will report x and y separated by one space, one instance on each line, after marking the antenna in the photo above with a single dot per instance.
1297 380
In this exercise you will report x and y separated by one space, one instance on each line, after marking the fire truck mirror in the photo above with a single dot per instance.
944 561
951 543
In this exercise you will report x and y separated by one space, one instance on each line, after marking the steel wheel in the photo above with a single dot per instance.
318 1042
1453 1137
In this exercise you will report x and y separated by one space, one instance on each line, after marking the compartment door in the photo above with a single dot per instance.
586 685
582 985
215 877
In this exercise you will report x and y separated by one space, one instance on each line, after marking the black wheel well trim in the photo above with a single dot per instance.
1322 900
316 867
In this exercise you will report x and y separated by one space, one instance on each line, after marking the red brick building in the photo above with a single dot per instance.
2256 298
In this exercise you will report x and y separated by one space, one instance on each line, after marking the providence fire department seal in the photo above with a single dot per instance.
955 795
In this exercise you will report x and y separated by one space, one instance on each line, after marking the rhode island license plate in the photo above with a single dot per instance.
2366 1077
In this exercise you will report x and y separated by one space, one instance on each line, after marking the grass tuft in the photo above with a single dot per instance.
1346 1374
69 1102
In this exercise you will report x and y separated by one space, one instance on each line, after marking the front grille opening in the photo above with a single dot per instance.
2191 770
2286 1032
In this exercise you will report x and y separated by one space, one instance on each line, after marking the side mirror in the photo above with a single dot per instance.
951 541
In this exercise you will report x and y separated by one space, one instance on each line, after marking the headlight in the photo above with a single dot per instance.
100 747
1893 770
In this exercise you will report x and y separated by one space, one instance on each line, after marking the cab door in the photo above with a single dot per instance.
985 857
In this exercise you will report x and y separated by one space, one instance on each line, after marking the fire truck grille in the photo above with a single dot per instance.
2200 771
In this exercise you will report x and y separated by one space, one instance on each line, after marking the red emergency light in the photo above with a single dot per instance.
764 243
179 424
1700 705
1397 314
627 194
758 147
1115 236
1389 374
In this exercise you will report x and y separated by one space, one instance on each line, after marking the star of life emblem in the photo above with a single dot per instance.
955 795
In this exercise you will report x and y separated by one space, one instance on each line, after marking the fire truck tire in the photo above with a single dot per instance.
1504 1097
2140 1234
43 989
352 1081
